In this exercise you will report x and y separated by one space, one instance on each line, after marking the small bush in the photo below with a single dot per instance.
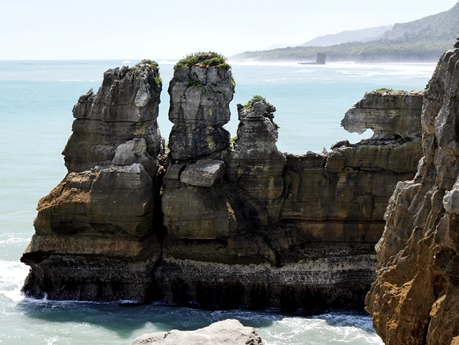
256 98
147 66
203 59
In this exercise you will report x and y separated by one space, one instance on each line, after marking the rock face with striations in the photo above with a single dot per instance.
306 224
228 224
415 297
256 165
94 233
200 95
390 114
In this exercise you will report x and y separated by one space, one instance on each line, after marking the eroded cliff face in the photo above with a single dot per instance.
95 234
415 297
216 224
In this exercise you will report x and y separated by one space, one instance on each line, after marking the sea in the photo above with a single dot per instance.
36 100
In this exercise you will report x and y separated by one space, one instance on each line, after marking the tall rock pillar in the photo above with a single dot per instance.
200 91
193 203
95 233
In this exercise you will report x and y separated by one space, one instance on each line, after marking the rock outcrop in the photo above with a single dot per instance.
200 93
227 224
390 114
95 236
230 332
415 297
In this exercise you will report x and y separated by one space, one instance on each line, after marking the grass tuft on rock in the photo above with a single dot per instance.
256 98
145 67
385 90
203 59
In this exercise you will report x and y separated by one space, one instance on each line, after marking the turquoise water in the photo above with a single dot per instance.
36 99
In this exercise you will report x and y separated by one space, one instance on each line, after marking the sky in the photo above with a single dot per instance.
171 29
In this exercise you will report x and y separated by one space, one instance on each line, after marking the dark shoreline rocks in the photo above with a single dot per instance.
214 224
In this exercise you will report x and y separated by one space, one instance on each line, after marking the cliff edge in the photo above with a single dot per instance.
415 297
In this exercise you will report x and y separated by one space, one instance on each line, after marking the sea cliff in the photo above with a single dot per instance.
209 221
415 297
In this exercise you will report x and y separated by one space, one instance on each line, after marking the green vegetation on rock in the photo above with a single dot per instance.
256 98
203 59
385 90
145 67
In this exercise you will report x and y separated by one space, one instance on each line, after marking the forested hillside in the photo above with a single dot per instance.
420 40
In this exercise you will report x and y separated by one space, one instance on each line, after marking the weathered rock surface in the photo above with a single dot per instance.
256 165
95 234
124 108
230 332
309 222
227 225
199 107
415 297
390 114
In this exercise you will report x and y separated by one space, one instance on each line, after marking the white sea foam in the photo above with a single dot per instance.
317 331
12 275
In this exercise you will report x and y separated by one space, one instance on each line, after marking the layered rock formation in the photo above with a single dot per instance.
95 233
200 93
227 224
415 297
229 332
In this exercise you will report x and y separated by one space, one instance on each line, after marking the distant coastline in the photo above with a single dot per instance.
363 52
422 40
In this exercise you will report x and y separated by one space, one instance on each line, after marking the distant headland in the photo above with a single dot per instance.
422 40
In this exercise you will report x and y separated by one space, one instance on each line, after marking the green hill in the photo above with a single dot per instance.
421 40
362 35
443 27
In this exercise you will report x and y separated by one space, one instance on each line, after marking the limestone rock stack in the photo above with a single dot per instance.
216 224
124 108
193 203
200 92
256 165
415 297
95 233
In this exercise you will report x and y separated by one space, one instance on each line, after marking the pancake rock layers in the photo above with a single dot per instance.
414 299
216 223
94 233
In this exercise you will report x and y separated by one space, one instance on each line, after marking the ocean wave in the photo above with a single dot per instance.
306 71
14 240
12 275
319 330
